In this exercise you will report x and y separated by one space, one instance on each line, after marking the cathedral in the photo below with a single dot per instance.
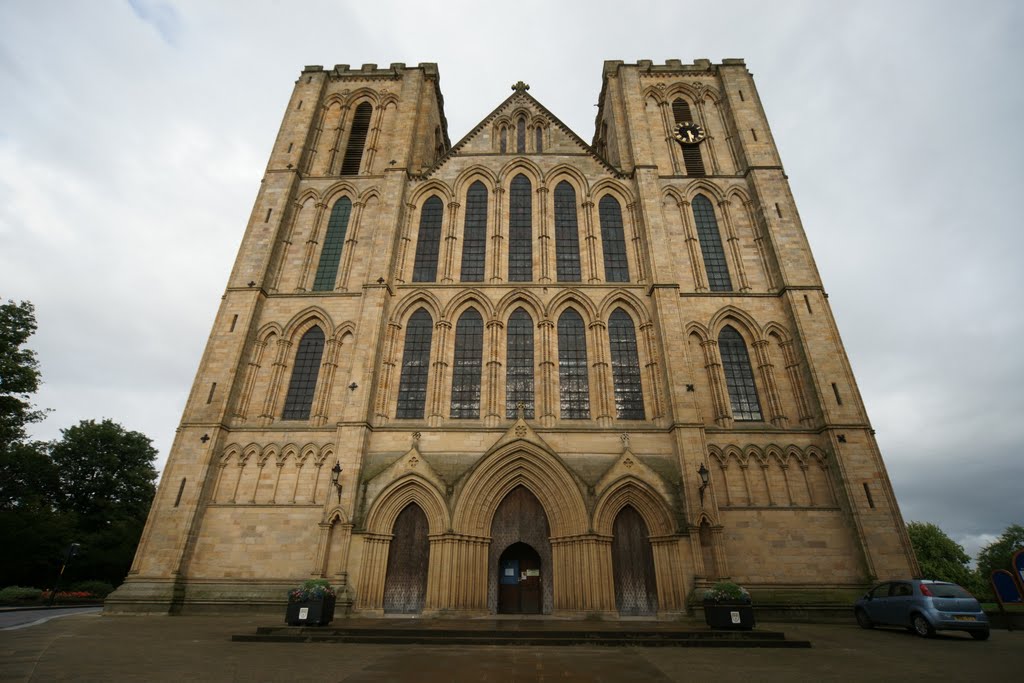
522 373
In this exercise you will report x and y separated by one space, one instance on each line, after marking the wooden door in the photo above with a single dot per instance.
636 592
405 584
519 581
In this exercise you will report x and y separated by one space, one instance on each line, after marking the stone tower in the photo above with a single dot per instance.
522 373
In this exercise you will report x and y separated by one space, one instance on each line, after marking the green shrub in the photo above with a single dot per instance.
100 589
19 594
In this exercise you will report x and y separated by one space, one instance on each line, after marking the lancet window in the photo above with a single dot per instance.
629 395
519 364
520 230
574 385
567 240
334 241
474 235
711 245
739 378
299 399
691 153
428 242
469 347
613 240
357 140
412 387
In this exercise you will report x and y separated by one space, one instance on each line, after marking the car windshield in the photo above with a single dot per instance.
947 590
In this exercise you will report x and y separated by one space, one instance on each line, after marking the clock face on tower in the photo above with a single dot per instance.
689 133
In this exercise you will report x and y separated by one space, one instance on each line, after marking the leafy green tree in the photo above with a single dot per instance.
106 484
997 555
19 372
940 557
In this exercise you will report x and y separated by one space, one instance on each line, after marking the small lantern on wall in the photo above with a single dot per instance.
704 481
336 477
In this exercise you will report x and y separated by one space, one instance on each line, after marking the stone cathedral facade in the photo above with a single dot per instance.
521 373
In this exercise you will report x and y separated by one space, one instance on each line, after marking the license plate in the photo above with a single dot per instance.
966 619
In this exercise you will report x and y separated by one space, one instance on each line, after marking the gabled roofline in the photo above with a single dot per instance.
544 110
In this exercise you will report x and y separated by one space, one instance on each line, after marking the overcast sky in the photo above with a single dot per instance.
133 136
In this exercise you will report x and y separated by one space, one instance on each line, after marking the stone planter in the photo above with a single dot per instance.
729 616
310 612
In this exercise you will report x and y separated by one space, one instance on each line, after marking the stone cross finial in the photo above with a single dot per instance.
519 86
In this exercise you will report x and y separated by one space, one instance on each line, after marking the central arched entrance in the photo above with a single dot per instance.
520 542
519 580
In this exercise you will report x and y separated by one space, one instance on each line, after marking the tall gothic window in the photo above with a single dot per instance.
629 394
540 139
711 245
469 350
613 240
504 139
567 234
519 364
521 136
412 387
474 234
691 153
520 230
330 255
739 378
574 385
429 241
357 140
302 387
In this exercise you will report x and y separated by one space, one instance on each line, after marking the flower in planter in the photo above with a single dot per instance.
727 592
313 589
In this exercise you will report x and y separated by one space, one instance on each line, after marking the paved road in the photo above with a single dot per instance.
15 619
91 647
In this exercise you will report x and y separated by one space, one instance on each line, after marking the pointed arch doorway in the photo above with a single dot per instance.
405 583
520 542
636 592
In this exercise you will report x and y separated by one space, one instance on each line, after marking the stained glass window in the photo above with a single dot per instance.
469 349
302 387
429 241
574 384
474 234
412 388
357 140
334 240
520 230
567 239
613 240
519 364
739 378
711 245
629 394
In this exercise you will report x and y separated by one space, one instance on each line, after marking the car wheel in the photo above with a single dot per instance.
980 635
863 620
921 626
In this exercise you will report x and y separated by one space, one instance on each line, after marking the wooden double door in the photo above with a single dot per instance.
519 580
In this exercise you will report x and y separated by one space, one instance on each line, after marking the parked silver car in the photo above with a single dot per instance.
924 607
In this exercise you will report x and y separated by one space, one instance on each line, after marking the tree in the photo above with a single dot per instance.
997 555
940 557
19 372
106 484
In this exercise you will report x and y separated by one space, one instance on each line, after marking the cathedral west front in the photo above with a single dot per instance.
523 373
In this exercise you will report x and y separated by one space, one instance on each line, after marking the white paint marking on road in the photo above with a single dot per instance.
89 610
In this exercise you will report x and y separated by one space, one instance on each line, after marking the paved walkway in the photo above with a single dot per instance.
92 647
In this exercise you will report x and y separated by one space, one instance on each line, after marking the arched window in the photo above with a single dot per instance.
711 245
504 139
469 350
613 240
567 234
428 241
520 230
330 255
521 136
540 139
739 378
519 364
412 388
302 386
474 234
691 153
357 140
574 384
629 394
